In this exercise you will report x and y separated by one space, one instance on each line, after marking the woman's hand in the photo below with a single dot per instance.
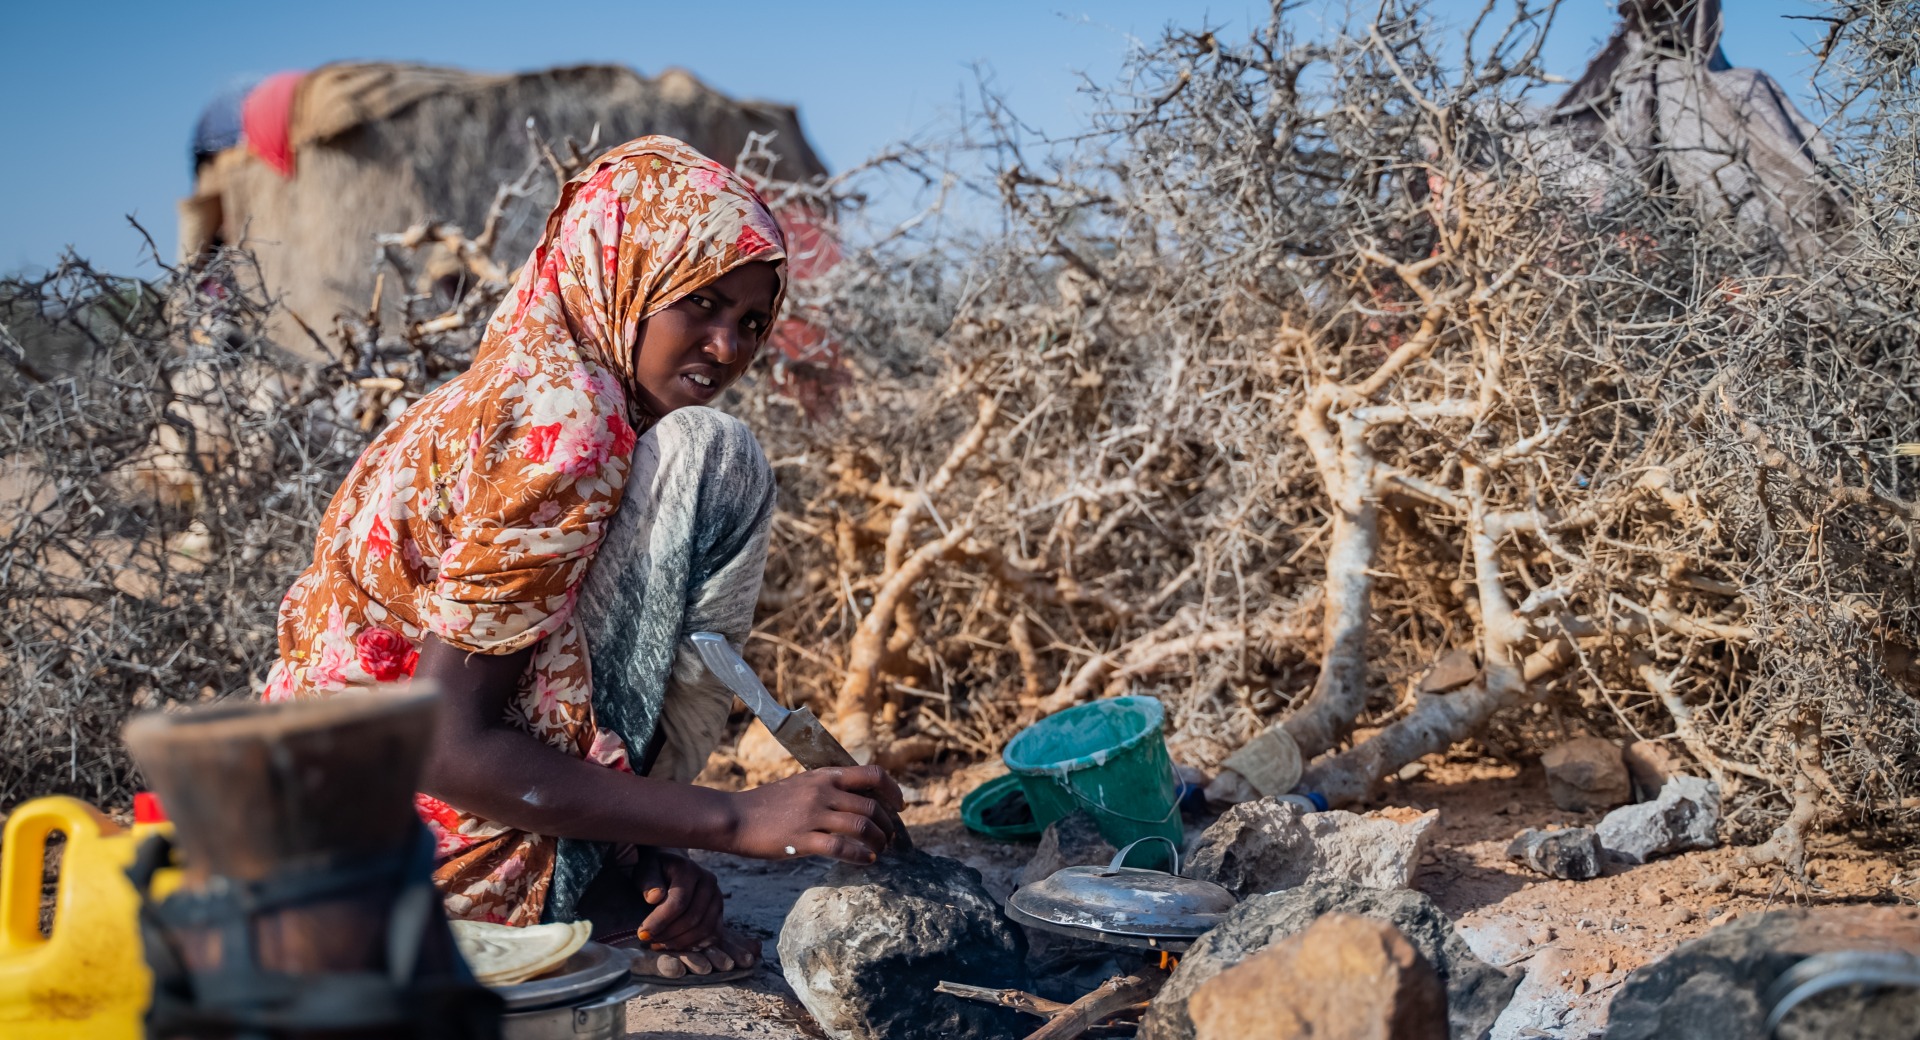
833 812
686 900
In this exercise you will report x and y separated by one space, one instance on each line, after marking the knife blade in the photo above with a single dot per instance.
797 729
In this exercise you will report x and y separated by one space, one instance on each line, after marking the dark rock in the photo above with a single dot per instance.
1586 774
864 949
1345 978
1573 853
1269 845
1714 988
1476 991
1072 841
1685 816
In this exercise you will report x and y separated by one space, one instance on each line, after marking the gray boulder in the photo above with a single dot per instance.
1715 987
1476 990
864 949
1270 845
1573 853
1685 816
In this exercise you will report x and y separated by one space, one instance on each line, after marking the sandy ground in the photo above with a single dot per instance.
1576 941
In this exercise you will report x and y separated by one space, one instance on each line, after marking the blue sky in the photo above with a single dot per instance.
102 95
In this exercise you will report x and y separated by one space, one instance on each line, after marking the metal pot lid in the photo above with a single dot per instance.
595 967
1120 900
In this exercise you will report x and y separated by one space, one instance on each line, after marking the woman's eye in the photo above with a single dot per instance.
701 302
755 324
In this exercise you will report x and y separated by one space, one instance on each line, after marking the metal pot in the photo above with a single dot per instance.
586 1000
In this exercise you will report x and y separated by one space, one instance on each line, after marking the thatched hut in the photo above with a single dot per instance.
332 157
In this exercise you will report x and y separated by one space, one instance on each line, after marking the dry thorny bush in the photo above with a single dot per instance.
156 505
1305 375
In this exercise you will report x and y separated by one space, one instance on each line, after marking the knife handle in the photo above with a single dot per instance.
814 747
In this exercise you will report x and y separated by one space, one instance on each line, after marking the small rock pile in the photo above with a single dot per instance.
1676 813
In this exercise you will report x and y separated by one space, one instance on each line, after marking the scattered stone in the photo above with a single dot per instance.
1586 774
1684 816
1344 978
864 949
1572 854
1653 895
1675 916
1476 991
1451 672
1540 934
1714 987
1269 845
1650 764
1072 841
1411 771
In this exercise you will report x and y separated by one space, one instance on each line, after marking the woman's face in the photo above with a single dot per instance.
698 345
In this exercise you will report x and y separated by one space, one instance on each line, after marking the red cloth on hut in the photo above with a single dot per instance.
266 120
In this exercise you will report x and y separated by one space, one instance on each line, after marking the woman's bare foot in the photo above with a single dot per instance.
728 952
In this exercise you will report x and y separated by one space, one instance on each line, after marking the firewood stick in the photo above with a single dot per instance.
1112 997
1017 999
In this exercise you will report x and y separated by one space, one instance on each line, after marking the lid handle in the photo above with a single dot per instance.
1120 858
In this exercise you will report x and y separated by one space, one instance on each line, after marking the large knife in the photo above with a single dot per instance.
797 729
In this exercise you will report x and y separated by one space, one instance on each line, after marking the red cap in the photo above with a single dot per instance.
146 808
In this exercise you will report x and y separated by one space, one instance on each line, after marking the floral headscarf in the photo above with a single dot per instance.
476 515
640 228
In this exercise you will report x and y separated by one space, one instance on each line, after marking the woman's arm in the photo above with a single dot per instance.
484 765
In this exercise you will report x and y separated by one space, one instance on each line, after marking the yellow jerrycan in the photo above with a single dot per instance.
88 978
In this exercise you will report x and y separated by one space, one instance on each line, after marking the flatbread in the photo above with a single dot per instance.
502 955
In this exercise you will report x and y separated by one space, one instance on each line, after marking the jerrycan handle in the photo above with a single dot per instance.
23 851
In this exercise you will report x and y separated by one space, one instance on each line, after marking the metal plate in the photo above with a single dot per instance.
587 972
1094 935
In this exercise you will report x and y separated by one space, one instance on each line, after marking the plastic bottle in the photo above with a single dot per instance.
1309 801
88 977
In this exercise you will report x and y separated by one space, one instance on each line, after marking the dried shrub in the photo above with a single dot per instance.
1313 363
1316 360
163 475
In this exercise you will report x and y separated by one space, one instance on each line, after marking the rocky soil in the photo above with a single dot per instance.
1576 941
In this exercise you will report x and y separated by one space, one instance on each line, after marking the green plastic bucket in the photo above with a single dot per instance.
999 810
1109 759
